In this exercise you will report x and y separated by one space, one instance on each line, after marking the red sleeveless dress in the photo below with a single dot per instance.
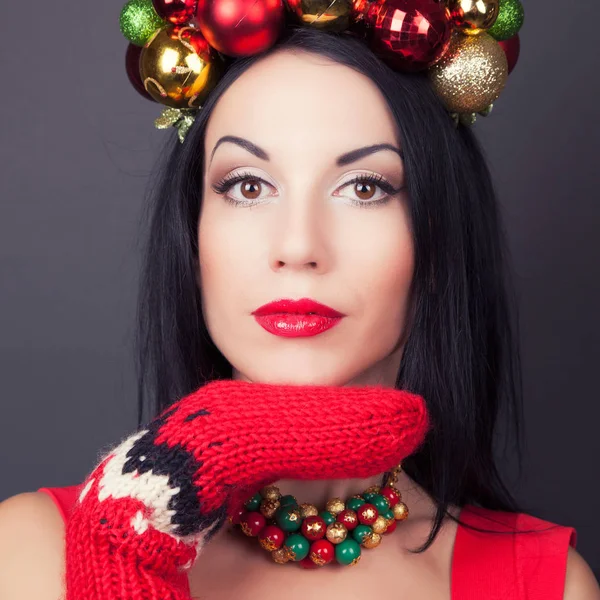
528 566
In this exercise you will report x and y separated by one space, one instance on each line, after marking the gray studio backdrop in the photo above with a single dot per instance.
77 146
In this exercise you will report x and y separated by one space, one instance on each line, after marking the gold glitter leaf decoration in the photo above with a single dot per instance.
180 118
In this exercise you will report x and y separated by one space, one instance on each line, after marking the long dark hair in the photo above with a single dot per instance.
461 354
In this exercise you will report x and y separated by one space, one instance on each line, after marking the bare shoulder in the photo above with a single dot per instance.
31 548
580 582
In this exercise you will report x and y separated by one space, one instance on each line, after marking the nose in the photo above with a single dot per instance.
299 237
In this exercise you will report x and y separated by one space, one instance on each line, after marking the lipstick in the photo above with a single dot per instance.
296 318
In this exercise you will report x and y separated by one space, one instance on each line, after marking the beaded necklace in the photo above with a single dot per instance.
301 533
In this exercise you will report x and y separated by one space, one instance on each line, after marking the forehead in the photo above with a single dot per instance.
302 100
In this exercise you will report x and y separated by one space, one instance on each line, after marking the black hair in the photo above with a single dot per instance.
461 353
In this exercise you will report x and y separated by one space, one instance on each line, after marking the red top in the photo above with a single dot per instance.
525 566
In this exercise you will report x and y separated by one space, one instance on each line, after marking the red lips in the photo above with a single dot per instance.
297 307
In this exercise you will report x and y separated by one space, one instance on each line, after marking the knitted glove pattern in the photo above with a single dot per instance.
155 500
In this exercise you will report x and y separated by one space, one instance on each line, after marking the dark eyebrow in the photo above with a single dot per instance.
341 161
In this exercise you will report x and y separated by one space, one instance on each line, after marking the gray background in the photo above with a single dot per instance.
78 143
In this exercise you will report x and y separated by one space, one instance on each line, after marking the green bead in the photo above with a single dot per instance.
347 551
359 532
254 502
298 545
288 500
355 503
380 502
138 21
388 514
327 517
510 19
369 496
288 518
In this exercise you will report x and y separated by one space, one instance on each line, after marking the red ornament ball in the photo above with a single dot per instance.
367 514
511 48
271 538
314 528
237 515
307 563
409 35
349 518
393 497
177 12
132 66
391 526
240 27
252 523
321 552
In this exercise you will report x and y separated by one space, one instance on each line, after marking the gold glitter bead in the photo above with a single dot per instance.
380 525
400 511
371 540
308 510
268 508
281 555
336 532
335 506
374 489
271 492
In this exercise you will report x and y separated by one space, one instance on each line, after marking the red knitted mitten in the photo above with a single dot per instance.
154 501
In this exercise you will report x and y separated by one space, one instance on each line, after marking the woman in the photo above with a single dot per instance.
312 171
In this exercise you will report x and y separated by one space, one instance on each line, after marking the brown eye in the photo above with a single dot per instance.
251 189
365 191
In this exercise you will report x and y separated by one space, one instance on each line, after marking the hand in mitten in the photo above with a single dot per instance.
149 507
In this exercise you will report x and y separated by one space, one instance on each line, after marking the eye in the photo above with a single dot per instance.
365 185
249 188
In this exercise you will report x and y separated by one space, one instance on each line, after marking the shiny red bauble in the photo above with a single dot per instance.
177 12
511 48
240 27
132 67
271 537
409 35
252 523
348 518
393 497
314 528
367 514
321 552
391 527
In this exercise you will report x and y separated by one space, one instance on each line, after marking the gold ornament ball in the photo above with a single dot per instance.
269 507
374 489
335 506
308 510
271 492
281 555
474 16
400 511
471 74
178 67
380 524
336 532
372 540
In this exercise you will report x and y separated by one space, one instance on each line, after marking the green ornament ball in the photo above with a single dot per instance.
359 532
254 502
347 551
139 20
380 502
369 497
355 503
510 19
327 517
288 500
288 518
298 545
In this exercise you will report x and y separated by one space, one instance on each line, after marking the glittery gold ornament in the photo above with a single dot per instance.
336 532
308 510
374 489
380 524
335 506
281 555
400 511
269 507
178 67
138 21
372 540
271 492
330 15
473 16
471 74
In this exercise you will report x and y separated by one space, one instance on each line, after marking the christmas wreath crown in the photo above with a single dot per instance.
178 49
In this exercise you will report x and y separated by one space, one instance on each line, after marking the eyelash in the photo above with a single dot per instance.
225 184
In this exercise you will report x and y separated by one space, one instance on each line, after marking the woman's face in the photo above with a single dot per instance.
297 226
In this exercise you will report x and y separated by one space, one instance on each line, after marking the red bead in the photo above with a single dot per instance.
271 537
367 514
349 518
321 552
252 523
314 528
391 527
237 516
391 494
307 563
